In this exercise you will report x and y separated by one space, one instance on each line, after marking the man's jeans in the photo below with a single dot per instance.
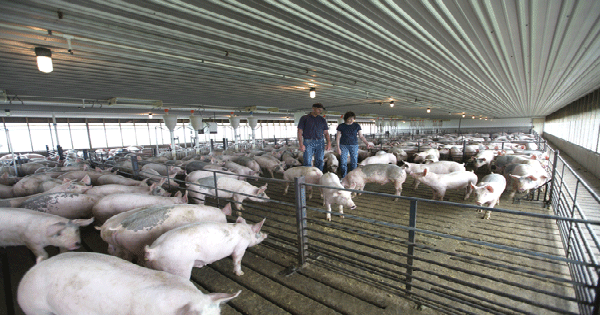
353 150
314 148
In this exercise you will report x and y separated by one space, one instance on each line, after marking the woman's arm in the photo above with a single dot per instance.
360 135
338 135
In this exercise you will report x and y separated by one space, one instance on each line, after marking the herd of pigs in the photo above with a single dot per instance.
154 240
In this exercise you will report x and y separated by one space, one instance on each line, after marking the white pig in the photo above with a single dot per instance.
119 180
312 175
375 173
268 164
97 284
110 205
383 158
109 189
67 205
227 188
524 177
199 244
37 230
331 162
335 196
484 158
129 232
441 167
488 192
439 183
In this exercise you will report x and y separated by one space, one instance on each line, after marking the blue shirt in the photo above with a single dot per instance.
312 127
349 133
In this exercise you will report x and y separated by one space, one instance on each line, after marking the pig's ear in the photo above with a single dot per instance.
472 186
153 186
55 229
5 175
162 181
532 177
178 194
514 176
489 188
185 197
82 222
144 182
98 169
256 227
67 180
227 209
425 171
86 167
87 180
264 187
222 297
240 220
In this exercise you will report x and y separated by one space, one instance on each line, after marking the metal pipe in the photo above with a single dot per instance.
301 219
411 243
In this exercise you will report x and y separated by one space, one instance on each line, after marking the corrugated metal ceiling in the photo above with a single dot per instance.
492 58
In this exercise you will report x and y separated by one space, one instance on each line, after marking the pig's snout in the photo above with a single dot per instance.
353 207
75 246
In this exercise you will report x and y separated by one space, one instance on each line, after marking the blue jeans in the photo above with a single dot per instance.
314 148
353 150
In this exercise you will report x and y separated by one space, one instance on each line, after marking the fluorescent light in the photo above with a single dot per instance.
134 102
150 115
44 59
312 93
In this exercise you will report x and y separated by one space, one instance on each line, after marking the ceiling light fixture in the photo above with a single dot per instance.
312 92
150 115
44 59
7 111
463 115
428 110
473 117
392 104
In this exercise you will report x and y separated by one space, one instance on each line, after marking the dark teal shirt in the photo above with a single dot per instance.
312 127
349 133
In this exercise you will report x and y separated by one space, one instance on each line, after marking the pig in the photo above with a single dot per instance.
289 160
197 245
110 205
119 180
484 158
67 186
240 169
331 162
94 284
312 175
105 190
524 177
127 233
502 161
78 175
441 167
439 183
488 192
383 158
6 191
30 168
375 173
227 188
37 230
7 180
335 196
247 162
164 170
270 165
30 185
400 154
64 204
420 157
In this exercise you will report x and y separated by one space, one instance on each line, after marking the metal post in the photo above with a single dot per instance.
556 154
464 149
217 192
135 166
212 145
568 251
85 154
224 144
301 219
411 241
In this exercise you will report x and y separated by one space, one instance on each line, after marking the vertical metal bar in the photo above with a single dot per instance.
556 153
70 134
10 307
135 167
596 310
301 219
464 150
87 127
411 241
168 177
572 214
217 190
29 131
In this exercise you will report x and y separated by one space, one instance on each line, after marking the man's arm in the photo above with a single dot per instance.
300 140
326 133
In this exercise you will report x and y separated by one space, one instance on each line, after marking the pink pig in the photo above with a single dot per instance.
199 244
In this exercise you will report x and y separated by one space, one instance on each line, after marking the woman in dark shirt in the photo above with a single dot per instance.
347 142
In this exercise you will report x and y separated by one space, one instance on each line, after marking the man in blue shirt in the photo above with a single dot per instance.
312 130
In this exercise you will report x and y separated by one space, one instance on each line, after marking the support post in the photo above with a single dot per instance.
553 180
411 241
135 167
300 189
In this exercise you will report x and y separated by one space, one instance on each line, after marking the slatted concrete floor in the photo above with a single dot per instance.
315 290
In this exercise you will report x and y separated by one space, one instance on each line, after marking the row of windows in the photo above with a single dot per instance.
36 136
578 122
